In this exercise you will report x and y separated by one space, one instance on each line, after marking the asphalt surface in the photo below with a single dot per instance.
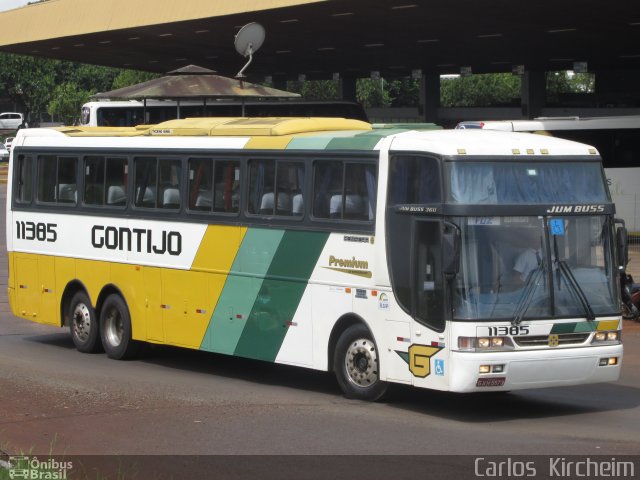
55 400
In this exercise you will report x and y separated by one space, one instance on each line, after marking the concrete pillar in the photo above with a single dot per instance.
430 97
347 89
533 93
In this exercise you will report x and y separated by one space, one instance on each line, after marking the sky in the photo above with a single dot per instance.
9 4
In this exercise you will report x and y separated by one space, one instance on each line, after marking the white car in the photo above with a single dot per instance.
4 153
8 141
12 121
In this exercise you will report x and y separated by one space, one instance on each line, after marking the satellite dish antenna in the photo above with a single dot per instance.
248 40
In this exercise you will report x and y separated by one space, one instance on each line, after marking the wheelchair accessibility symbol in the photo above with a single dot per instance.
439 367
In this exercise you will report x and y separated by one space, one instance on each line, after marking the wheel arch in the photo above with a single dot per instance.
345 321
105 292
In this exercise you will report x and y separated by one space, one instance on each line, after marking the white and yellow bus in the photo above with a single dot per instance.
453 260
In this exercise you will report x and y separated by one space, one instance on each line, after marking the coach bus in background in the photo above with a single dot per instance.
453 260
132 112
616 139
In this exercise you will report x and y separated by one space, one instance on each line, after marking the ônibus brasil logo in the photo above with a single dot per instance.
31 468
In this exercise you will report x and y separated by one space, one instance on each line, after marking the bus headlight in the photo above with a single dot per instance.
612 336
484 344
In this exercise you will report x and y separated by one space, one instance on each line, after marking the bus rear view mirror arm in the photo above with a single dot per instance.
450 250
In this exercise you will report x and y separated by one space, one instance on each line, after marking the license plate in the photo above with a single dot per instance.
491 382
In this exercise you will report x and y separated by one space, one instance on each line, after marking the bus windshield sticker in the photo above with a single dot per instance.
489 221
557 226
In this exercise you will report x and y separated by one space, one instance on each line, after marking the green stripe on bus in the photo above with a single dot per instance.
361 141
575 327
585 327
280 295
241 289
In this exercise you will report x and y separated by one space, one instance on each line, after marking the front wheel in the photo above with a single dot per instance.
115 329
357 366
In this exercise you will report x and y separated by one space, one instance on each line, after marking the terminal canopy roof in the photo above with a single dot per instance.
318 38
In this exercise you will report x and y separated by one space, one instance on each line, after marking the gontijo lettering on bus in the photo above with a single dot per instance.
139 240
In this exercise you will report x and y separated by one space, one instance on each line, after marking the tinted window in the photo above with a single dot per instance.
57 179
24 179
344 190
105 181
214 185
157 183
413 180
276 188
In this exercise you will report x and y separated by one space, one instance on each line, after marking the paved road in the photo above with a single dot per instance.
172 401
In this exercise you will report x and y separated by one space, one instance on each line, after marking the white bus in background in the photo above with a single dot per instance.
129 113
617 140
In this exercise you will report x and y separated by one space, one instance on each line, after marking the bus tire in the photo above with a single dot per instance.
115 329
83 324
356 364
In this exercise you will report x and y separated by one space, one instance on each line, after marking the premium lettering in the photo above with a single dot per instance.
138 240
348 263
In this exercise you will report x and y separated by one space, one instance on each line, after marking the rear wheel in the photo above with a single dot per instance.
83 324
115 329
356 364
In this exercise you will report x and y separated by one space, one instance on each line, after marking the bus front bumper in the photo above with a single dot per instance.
517 370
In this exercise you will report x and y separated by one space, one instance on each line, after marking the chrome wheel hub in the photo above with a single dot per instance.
81 322
361 363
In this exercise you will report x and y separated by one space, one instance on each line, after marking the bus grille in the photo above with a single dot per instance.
543 340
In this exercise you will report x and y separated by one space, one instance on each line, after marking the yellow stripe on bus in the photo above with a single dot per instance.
608 325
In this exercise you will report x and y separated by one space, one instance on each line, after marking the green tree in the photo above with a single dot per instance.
124 78
66 103
404 92
314 89
27 81
479 90
564 82
372 93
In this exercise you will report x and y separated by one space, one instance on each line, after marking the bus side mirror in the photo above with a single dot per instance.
622 244
450 250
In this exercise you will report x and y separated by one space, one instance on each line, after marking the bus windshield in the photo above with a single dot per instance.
526 182
515 268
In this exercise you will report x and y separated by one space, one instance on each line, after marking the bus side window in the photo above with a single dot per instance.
344 190
413 180
214 185
57 181
169 184
117 170
145 182
200 184
24 179
226 186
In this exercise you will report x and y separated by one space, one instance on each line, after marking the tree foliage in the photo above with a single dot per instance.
479 90
563 83
66 102
131 77
39 85
315 89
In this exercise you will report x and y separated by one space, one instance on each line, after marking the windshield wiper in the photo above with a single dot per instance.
527 294
564 268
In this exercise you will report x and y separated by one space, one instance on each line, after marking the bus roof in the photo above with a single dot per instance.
555 123
302 134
